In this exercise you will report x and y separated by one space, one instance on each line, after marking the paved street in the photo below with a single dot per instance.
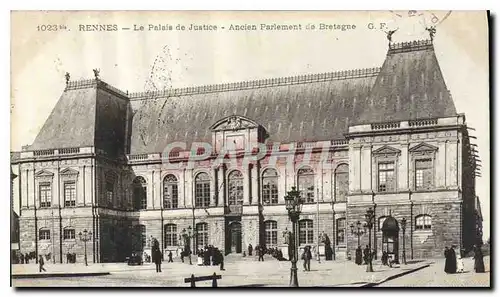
434 276
243 272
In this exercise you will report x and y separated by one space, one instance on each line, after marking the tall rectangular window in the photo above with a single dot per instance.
170 235
341 231
306 232
45 194
386 179
69 194
271 228
109 193
423 174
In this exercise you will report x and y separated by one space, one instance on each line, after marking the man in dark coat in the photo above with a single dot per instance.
478 259
26 258
170 257
261 253
40 264
250 249
366 253
447 262
453 261
359 256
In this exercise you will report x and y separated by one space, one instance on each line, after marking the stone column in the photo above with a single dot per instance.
255 185
246 185
80 186
150 189
404 168
366 168
213 187
221 187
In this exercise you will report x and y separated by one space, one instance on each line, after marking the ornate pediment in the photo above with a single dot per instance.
386 150
44 173
69 171
423 148
234 122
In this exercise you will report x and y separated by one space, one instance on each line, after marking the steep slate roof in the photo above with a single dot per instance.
88 113
410 86
315 107
304 108
71 122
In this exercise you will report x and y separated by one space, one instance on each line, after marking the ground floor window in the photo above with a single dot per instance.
306 232
271 233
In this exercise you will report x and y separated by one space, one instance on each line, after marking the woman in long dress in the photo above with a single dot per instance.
200 258
478 259
460 262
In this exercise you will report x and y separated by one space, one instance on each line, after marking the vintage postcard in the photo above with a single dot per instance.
250 149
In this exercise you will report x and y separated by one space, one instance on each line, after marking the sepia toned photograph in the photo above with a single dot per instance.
339 149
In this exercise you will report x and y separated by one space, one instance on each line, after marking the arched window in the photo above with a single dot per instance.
201 235
341 183
170 192
202 190
271 228
140 193
235 188
270 186
381 222
305 180
306 232
341 231
170 235
423 222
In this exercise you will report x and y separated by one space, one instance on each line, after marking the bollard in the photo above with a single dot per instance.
192 281
214 280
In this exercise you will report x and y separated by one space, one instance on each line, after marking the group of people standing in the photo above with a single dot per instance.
454 262
210 255
362 256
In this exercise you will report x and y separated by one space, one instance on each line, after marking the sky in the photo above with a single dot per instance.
146 60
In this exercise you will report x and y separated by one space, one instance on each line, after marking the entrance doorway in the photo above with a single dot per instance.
235 237
390 239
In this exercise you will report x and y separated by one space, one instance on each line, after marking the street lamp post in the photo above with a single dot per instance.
85 236
369 216
403 227
187 239
358 231
293 204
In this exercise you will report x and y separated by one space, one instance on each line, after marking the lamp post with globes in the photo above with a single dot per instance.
403 228
293 204
85 236
369 216
358 231
187 236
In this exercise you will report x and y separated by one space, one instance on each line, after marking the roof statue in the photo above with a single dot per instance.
389 34
67 76
432 31
234 123
96 73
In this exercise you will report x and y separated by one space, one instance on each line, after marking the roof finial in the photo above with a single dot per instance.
432 31
67 76
390 33
96 73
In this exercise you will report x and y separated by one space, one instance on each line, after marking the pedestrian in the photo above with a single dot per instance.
447 264
182 256
221 259
250 249
26 258
40 264
21 257
199 261
359 256
305 257
453 260
366 253
478 259
460 262
384 258
170 257
261 254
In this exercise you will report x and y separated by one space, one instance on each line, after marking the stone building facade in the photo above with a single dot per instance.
220 159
